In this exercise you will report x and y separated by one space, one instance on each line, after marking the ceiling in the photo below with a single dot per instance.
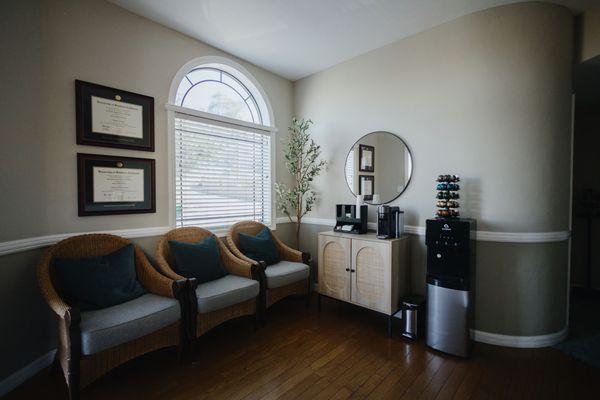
296 38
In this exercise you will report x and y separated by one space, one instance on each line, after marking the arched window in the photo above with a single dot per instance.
222 146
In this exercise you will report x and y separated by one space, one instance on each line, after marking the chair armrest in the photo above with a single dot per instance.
286 252
237 252
166 269
153 280
163 265
236 265
56 303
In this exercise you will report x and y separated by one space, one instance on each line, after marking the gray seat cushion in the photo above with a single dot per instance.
109 327
225 292
285 272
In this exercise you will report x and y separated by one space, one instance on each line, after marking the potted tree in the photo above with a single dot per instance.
302 160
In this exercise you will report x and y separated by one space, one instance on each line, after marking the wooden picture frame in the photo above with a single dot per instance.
108 185
110 117
366 158
366 190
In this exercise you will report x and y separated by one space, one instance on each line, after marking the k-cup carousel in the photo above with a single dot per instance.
447 196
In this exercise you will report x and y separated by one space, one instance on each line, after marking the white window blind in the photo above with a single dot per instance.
223 174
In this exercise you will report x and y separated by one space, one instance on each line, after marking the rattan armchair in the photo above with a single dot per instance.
271 294
80 369
201 322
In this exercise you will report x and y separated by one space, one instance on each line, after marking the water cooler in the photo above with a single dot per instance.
450 284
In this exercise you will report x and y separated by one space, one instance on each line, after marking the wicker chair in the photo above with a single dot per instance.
236 295
276 288
83 353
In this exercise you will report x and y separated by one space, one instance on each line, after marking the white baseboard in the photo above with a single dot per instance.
26 372
528 342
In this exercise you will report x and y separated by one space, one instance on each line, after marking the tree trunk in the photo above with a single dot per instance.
298 235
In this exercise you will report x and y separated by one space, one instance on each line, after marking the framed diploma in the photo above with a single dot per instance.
366 186
366 157
113 118
115 185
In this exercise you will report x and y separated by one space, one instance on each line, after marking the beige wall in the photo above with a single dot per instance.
488 97
94 41
46 46
466 96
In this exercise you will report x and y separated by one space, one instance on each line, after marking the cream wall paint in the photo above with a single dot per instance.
46 46
92 40
486 96
95 41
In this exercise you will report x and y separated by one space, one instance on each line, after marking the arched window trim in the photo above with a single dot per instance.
250 97
173 110
237 71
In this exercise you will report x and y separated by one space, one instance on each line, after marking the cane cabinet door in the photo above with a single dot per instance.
371 275
334 267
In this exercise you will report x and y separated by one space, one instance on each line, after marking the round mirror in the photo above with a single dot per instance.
379 167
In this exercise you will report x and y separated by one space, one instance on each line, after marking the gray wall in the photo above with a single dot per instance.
46 45
486 96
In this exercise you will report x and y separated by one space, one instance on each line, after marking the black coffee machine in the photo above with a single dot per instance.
390 221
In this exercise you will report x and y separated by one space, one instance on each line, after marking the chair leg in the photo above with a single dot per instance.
72 321
73 385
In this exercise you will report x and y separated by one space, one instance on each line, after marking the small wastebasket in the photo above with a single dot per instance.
412 316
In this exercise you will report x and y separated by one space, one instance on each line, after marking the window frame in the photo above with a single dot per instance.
174 110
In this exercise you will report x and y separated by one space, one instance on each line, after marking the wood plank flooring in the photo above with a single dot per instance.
341 353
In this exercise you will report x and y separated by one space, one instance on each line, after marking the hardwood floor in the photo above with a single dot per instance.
341 353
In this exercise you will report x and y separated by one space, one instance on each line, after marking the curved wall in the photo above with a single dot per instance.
488 97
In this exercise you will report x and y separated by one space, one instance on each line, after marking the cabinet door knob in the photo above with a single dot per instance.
347 269
353 270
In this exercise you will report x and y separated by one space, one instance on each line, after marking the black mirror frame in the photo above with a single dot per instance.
412 163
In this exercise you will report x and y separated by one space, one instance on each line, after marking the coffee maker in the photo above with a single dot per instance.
390 222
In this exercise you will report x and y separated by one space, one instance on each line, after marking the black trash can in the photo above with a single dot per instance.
413 316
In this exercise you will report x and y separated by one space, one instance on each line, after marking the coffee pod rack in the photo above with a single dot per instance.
447 195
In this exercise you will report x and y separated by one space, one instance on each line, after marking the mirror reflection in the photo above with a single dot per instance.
379 167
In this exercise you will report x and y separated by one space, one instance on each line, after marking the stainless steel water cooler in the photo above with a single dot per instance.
450 284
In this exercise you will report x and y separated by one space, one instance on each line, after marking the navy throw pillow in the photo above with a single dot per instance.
99 282
260 247
200 260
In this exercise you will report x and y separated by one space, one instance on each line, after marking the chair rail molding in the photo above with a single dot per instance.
482 236
19 245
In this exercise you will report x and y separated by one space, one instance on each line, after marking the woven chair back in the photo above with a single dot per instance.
251 228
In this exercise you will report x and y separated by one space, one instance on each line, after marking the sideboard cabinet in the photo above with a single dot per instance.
364 270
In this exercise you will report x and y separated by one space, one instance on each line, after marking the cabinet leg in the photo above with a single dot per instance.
389 326
319 302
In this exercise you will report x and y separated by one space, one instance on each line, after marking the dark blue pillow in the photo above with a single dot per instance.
99 282
260 247
200 260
